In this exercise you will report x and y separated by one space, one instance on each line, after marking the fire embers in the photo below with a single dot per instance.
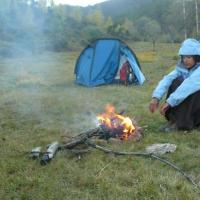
117 126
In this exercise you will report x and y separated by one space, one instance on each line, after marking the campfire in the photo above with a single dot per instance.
116 125
111 125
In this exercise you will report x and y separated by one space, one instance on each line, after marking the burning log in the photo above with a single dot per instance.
100 132
111 125
81 138
115 125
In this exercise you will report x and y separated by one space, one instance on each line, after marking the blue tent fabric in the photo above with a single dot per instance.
98 63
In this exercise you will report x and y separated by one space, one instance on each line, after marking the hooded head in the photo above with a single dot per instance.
190 47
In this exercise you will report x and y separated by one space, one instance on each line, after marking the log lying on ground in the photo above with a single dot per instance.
81 138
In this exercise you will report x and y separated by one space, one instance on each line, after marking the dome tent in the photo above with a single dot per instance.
100 62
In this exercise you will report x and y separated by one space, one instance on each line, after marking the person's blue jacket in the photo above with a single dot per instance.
191 83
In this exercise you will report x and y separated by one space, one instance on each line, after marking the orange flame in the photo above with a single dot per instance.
116 121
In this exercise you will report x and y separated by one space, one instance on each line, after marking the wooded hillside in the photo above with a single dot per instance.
32 25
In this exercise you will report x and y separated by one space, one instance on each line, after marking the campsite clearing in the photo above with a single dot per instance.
39 103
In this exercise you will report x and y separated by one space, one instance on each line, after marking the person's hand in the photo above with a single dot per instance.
153 106
164 107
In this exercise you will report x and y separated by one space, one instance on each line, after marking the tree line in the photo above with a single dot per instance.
38 25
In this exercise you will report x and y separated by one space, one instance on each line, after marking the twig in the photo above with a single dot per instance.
106 150
102 169
176 168
141 154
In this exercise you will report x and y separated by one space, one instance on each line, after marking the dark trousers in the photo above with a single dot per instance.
186 115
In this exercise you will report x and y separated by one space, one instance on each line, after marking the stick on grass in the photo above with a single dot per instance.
147 155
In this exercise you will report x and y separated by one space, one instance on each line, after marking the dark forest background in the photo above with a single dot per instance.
31 25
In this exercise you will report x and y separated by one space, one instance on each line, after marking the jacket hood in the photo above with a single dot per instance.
190 47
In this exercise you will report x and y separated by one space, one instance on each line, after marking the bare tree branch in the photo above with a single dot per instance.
147 155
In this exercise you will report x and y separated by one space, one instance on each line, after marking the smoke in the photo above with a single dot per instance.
37 87
22 28
40 92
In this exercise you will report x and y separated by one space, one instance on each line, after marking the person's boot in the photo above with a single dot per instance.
169 127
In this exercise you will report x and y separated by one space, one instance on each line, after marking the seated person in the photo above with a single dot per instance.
182 85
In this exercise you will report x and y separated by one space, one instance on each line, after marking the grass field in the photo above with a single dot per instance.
39 103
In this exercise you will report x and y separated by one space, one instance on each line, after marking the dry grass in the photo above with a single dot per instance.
147 56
